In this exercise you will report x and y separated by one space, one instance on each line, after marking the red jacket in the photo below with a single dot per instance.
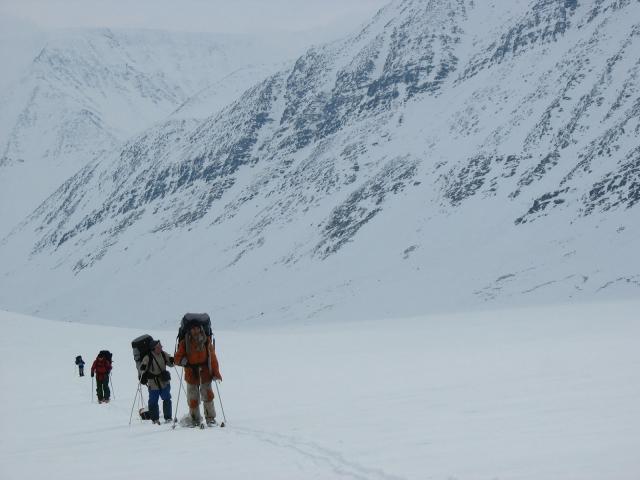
101 367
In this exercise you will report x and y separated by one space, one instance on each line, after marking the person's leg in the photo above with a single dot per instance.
165 394
105 387
99 390
154 409
193 399
206 394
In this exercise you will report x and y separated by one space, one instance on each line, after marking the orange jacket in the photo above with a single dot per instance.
197 370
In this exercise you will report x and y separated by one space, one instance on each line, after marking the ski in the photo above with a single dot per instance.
200 426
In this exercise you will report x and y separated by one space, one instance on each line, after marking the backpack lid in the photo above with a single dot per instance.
198 319
105 354
141 342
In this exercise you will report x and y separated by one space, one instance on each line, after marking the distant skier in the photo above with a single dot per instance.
197 355
102 368
158 380
80 364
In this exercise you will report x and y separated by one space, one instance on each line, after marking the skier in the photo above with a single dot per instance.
157 379
80 364
101 368
197 355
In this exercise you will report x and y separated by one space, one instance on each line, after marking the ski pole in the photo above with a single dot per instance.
134 402
221 407
181 384
175 417
141 401
112 389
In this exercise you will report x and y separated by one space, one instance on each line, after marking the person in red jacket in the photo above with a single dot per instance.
101 368
197 355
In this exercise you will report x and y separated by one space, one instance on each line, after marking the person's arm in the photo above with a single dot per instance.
181 354
144 364
215 366
144 374
168 359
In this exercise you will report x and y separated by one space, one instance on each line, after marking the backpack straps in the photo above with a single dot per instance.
154 376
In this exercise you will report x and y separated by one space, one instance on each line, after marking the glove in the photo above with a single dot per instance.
144 378
171 360
183 362
91 374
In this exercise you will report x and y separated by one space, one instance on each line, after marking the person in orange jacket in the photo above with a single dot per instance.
197 354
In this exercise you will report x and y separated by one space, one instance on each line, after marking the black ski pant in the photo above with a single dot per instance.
102 388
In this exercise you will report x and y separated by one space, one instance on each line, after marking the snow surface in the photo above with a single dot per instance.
538 393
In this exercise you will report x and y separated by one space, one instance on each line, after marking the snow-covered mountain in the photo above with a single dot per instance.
451 153
86 91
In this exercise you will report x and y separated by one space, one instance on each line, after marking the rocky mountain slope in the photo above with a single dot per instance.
86 91
450 154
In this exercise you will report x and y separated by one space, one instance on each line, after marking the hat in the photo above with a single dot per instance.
154 343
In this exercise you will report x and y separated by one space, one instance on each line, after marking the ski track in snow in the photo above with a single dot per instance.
322 456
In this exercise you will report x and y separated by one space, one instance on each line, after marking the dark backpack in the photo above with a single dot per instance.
106 354
79 360
195 319
145 414
141 348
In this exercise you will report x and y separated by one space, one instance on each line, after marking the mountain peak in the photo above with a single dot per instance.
449 154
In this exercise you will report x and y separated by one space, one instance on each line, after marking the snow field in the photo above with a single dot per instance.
538 393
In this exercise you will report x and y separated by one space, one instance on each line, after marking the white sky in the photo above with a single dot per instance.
228 16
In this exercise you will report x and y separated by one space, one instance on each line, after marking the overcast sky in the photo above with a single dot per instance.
228 16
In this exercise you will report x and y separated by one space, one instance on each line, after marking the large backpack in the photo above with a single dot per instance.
195 319
141 348
106 354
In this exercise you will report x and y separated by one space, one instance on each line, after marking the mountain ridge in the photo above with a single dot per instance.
86 91
367 148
